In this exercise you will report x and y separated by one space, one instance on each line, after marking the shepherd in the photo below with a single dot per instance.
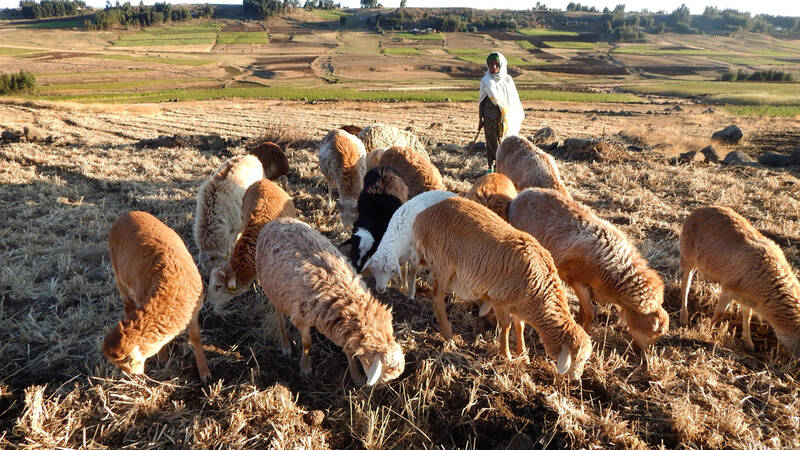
500 111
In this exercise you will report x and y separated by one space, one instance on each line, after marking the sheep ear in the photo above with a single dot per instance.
375 370
485 308
656 323
365 265
564 360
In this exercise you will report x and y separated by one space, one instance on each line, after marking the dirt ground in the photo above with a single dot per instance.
696 387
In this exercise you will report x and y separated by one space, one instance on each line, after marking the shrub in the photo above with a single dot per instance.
23 81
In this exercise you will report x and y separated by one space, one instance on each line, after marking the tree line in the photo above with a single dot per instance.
50 8
142 15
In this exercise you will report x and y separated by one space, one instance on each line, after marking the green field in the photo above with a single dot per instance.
400 51
526 45
330 14
735 93
765 110
648 50
54 24
570 45
154 59
175 35
8 51
546 32
421 37
119 85
478 56
247 37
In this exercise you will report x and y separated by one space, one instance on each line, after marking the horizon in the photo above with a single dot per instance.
696 7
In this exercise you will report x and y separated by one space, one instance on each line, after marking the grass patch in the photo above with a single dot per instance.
54 24
765 110
330 14
478 56
546 32
176 35
9 51
526 45
752 61
400 51
653 51
248 37
119 85
570 45
739 93
154 59
421 37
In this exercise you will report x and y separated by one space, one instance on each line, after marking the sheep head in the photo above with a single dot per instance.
222 286
382 367
573 355
208 261
119 351
348 211
646 328
383 265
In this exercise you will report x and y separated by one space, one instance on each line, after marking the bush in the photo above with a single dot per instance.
23 81
759 75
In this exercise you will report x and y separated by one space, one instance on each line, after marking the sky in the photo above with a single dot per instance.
774 7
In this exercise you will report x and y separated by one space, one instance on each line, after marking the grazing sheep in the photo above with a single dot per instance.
342 161
384 192
474 253
394 249
352 129
381 136
263 202
727 249
595 259
527 166
494 191
419 173
161 292
306 278
217 219
374 157
273 160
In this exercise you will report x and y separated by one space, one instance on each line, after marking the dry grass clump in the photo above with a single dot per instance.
696 386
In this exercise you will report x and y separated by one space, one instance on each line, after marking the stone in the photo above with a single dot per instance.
10 136
314 418
692 156
737 158
96 274
677 108
709 110
774 159
95 254
551 147
581 149
730 134
479 146
37 135
544 136
710 154
795 158
635 148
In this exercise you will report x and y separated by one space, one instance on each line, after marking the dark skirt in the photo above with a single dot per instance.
492 128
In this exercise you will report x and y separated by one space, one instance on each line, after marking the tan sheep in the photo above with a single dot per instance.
305 277
263 202
342 159
750 268
217 220
528 166
596 259
273 160
474 253
383 136
419 174
161 293
374 158
494 191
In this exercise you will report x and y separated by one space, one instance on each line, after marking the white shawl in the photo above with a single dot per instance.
501 91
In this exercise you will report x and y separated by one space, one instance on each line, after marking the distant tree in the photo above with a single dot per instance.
369 3
403 4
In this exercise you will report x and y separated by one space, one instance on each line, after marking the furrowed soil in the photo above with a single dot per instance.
85 165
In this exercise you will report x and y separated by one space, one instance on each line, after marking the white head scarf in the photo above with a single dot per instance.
500 89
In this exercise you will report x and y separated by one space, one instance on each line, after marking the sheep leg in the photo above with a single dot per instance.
586 310
355 372
128 304
747 314
519 328
440 309
197 344
305 360
725 297
329 183
504 319
286 346
686 282
411 279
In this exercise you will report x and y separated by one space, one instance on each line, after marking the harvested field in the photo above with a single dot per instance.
697 386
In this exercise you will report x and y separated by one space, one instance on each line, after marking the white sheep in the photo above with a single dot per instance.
382 136
395 248
750 268
417 172
596 259
217 220
528 166
473 252
161 292
263 202
342 159
305 277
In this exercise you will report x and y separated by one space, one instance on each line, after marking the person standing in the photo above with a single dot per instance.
500 111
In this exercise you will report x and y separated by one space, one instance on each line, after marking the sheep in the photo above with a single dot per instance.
273 160
263 202
342 159
384 192
161 292
727 249
473 252
596 259
528 166
352 129
419 174
381 136
494 191
306 278
374 157
394 249
217 219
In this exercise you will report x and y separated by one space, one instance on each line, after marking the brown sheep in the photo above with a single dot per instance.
419 174
342 159
273 160
494 191
528 166
474 253
596 259
750 268
161 292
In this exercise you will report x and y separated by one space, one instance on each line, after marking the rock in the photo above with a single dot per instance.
479 146
774 159
692 156
10 136
96 274
520 441
737 158
436 126
710 154
795 158
730 134
677 108
94 255
314 418
452 148
214 143
709 110
551 147
544 136
581 149
663 146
